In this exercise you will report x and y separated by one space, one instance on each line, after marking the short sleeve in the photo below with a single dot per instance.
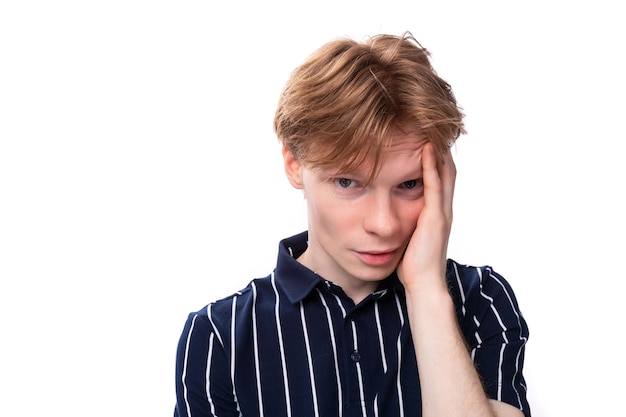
495 331
203 384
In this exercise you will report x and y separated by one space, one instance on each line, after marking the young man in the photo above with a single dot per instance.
364 315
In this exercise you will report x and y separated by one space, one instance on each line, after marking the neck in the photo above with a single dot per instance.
357 290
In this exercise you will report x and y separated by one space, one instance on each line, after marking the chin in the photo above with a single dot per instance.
376 275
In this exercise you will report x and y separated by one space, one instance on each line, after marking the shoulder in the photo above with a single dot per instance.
481 290
219 312
469 279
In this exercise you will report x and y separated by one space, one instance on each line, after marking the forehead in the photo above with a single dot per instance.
402 152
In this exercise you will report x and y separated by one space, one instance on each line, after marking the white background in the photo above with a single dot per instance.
140 179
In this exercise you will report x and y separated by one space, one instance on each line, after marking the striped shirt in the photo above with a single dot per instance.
293 344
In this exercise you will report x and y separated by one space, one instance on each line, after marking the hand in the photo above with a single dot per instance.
424 263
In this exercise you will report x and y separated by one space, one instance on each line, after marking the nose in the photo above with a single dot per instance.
381 216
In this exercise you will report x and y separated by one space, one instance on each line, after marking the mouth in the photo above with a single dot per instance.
377 258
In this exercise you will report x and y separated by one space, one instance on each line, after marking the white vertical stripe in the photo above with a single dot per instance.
502 326
358 365
232 339
233 350
517 360
524 339
493 308
379 328
282 347
310 360
399 348
458 280
334 344
255 341
499 395
355 346
209 315
376 406
343 310
479 340
508 296
208 374
185 390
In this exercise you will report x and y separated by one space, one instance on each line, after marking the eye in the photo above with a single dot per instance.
412 184
344 182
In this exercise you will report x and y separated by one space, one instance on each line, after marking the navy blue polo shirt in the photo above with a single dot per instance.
293 344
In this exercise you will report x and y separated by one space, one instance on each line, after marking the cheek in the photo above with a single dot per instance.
338 217
325 209
412 212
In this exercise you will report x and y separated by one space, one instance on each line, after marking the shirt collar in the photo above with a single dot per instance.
298 281
295 279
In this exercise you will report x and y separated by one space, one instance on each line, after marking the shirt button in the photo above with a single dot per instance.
355 356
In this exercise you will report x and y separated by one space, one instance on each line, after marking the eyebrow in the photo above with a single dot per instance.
417 171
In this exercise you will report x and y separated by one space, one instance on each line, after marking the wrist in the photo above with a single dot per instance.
426 284
433 303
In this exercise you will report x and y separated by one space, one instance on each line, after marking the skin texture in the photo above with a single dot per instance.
360 232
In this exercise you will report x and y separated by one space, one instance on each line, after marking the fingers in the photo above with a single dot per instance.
439 180
432 179
447 174
424 263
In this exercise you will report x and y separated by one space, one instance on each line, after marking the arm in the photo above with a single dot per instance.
203 384
449 381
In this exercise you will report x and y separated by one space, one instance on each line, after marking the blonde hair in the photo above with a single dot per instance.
338 106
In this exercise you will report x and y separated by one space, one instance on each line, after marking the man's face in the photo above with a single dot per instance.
358 232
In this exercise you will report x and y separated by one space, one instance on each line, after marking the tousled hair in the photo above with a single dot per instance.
338 107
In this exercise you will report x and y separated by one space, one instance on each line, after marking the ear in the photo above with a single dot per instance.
293 168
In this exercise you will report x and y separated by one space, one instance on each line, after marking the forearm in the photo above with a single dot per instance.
449 381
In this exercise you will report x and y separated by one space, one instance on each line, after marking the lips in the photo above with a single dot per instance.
377 258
